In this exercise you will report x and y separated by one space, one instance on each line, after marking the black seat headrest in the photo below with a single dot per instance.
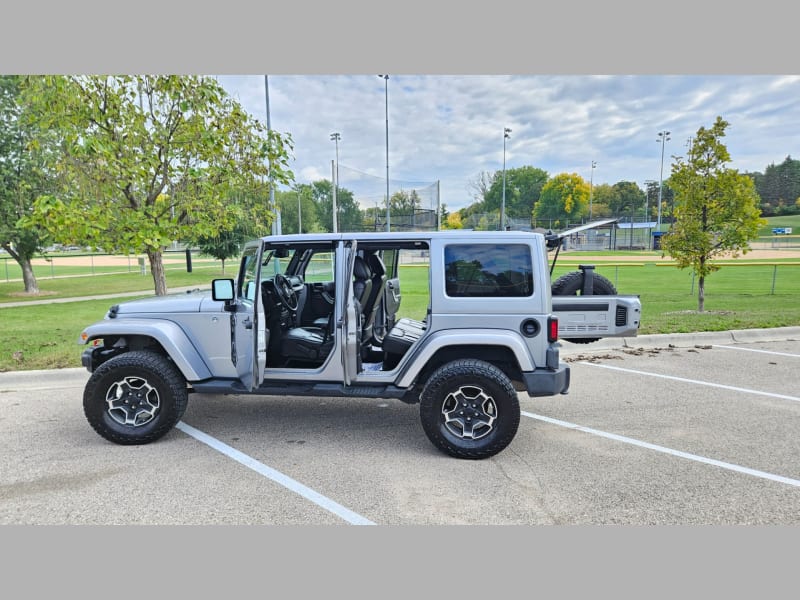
360 269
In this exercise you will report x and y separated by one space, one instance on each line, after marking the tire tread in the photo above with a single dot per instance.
156 364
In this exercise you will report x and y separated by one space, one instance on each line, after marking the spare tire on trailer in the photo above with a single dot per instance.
571 284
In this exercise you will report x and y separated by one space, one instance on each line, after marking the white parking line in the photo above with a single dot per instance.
276 476
665 450
695 381
754 350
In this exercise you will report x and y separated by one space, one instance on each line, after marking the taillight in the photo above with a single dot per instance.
552 329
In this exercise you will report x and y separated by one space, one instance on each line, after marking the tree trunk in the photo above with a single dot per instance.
31 286
157 270
701 294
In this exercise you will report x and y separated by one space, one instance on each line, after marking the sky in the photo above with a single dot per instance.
449 128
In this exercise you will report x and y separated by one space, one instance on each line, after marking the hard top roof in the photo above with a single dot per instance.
383 236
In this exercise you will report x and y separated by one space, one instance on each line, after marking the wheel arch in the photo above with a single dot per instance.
505 350
162 336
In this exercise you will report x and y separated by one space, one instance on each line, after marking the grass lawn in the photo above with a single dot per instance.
739 296
47 334
70 287
792 221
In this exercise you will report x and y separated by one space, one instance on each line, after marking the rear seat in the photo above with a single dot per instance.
402 336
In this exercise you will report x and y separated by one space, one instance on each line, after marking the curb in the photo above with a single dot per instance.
27 379
766 335
686 340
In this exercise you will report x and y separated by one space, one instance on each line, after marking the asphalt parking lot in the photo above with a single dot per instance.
702 431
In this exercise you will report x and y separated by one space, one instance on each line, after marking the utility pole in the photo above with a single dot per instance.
591 186
506 132
335 137
388 212
276 224
663 138
334 210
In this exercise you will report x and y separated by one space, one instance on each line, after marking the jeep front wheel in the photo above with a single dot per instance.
135 398
469 409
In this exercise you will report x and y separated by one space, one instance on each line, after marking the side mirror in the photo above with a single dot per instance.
222 290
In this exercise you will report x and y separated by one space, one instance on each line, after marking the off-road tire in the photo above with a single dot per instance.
571 284
143 378
468 380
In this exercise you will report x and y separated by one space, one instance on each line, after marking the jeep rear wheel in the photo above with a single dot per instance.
469 409
135 398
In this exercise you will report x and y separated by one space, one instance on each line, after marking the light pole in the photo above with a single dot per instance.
506 132
388 214
591 185
335 137
299 213
276 224
647 183
663 137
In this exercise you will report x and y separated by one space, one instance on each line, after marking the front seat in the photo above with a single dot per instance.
308 344
313 344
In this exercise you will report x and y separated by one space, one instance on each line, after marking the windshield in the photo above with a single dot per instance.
248 278
277 261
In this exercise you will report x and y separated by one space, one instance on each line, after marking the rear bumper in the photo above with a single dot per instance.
547 382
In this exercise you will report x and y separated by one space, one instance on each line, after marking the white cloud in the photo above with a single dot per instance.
450 128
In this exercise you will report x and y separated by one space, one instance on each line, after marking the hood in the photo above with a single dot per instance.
195 301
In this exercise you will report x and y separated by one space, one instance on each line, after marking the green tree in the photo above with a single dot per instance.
443 215
22 179
523 189
349 213
298 209
404 202
564 197
627 199
602 195
716 208
226 244
779 186
150 159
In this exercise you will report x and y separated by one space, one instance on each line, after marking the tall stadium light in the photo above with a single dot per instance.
335 137
388 214
506 132
591 185
663 137
647 183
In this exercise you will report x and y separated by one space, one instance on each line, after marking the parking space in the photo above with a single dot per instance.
682 436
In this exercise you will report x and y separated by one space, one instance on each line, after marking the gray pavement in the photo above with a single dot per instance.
686 429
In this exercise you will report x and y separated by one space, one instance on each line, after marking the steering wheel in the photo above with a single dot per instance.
285 292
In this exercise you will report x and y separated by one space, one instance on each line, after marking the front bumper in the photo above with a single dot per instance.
86 359
547 382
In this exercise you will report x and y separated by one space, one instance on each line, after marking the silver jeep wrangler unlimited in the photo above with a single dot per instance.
322 315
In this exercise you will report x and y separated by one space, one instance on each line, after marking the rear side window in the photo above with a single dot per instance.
488 270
